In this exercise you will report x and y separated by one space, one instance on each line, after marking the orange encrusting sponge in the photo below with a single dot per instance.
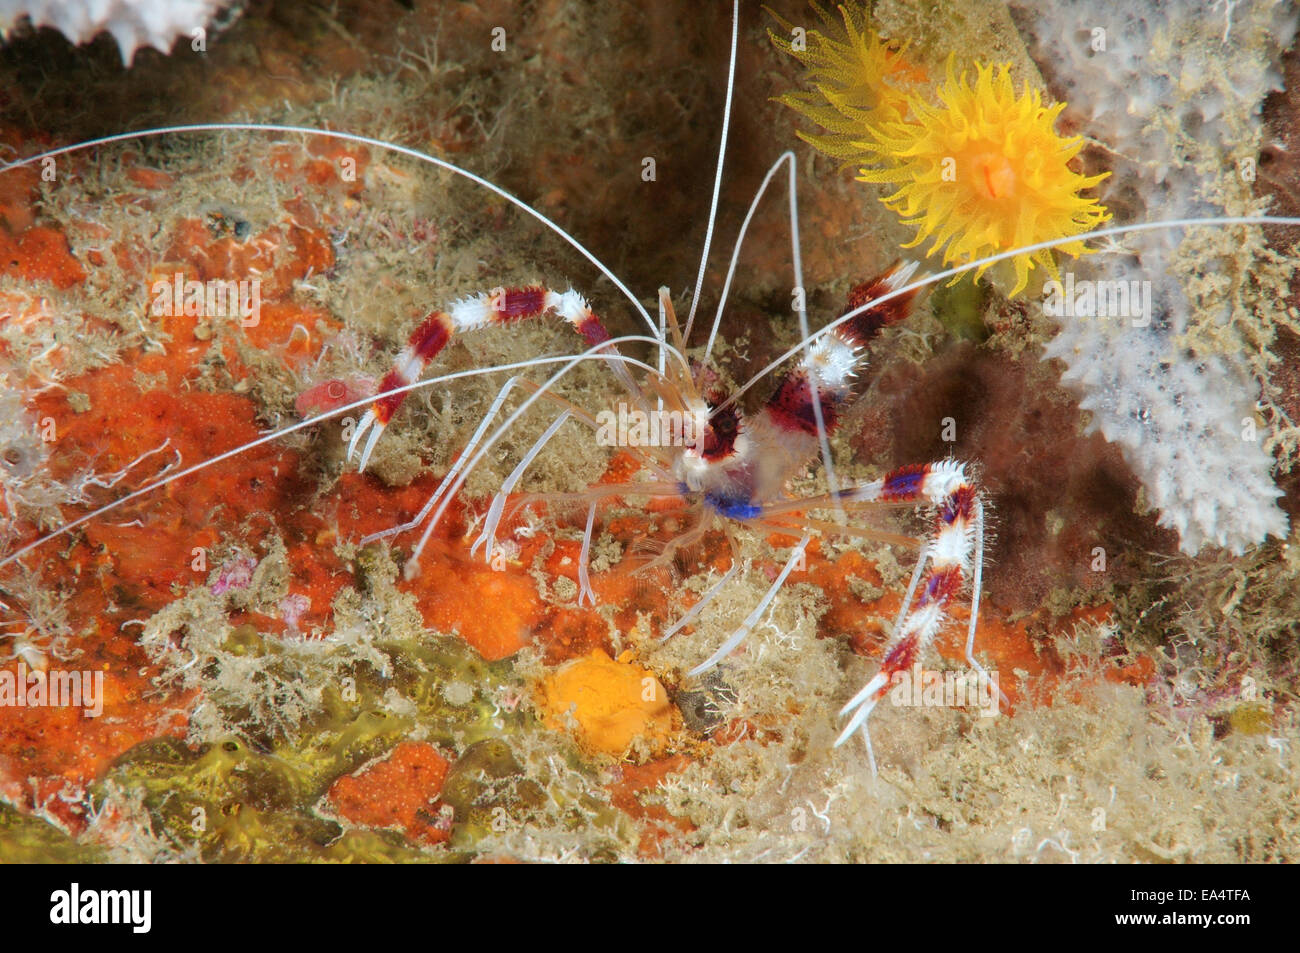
401 791
613 702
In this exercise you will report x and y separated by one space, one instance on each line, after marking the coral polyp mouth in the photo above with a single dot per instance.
996 175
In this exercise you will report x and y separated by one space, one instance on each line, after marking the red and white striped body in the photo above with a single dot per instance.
746 462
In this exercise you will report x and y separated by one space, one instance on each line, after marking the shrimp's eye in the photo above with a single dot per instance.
720 435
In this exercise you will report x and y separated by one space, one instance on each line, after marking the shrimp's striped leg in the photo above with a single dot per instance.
953 555
809 401
502 306
806 404
833 359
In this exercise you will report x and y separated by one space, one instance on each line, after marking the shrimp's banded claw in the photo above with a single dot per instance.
954 555
502 306
369 423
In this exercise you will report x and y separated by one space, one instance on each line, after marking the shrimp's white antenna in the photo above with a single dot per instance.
936 277
366 141
592 354
717 178
786 156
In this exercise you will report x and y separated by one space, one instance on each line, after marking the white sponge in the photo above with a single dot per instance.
1172 90
132 23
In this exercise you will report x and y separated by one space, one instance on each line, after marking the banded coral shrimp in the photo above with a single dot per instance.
652 339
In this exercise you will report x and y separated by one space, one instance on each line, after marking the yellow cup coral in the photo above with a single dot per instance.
980 172
857 79
986 172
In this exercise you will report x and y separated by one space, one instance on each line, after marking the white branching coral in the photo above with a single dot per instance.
1173 95
132 23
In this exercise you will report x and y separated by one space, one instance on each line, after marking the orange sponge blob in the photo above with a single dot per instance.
613 702
400 791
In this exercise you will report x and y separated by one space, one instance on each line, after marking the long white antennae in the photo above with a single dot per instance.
1002 256
360 140
740 242
801 308
412 565
461 459
800 300
319 418
717 178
